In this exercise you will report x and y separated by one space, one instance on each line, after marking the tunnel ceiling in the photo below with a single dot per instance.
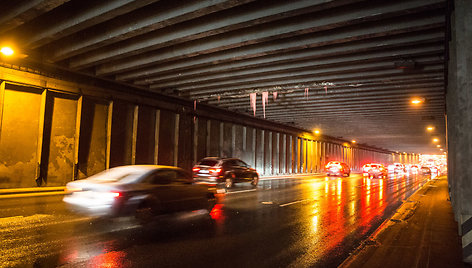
347 67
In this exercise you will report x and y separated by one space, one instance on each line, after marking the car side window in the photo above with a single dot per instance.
242 164
228 164
162 177
183 177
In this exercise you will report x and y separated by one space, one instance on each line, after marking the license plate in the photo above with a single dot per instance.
204 171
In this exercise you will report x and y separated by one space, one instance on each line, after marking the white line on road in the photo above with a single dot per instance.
242 191
294 202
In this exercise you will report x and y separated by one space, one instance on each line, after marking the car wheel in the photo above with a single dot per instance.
255 181
145 213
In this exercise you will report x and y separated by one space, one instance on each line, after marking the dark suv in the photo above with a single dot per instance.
224 172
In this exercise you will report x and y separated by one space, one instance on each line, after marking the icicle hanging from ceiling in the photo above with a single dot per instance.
194 108
265 98
326 89
252 97
306 93
219 97
274 95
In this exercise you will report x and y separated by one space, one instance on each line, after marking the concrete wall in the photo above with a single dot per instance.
459 120
53 131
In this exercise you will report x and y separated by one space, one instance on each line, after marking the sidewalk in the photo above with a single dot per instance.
422 233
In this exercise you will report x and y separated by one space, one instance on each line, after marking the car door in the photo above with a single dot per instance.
239 170
162 191
246 172
192 196
231 167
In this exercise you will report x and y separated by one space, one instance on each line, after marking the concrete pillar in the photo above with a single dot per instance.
459 121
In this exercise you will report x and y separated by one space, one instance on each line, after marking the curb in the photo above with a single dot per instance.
31 192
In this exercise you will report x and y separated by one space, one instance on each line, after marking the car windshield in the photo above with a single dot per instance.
208 162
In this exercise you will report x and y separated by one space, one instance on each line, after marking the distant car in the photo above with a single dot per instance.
435 170
224 172
366 168
337 168
141 190
414 169
397 168
425 171
374 170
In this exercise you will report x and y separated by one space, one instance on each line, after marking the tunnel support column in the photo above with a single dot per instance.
459 121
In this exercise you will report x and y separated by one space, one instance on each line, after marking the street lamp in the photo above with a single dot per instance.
7 51
430 128
353 141
317 131
417 100
435 140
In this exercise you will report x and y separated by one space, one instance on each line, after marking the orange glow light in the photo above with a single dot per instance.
430 128
417 101
7 51
317 132
435 140
353 141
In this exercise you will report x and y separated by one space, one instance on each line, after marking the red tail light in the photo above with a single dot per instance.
215 170
116 194
195 169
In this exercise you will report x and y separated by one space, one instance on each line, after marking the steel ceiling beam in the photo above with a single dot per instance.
136 24
17 13
261 34
229 58
308 80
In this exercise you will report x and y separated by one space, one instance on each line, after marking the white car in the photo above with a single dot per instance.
142 190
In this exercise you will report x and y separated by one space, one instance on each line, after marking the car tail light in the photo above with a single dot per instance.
215 170
195 169
115 194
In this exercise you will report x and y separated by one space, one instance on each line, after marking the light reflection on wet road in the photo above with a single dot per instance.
310 222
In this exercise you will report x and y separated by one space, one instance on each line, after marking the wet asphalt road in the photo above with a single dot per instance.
305 222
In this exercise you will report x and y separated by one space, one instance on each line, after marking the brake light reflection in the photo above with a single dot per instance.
216 212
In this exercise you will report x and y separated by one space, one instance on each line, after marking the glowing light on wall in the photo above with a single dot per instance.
417 101
7 51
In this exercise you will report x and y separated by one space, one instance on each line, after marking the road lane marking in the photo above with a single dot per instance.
294 202
267 202
242 191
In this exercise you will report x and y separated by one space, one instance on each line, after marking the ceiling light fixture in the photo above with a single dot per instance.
7 51
417 100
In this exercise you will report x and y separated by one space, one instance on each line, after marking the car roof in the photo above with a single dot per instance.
142 168
217 158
